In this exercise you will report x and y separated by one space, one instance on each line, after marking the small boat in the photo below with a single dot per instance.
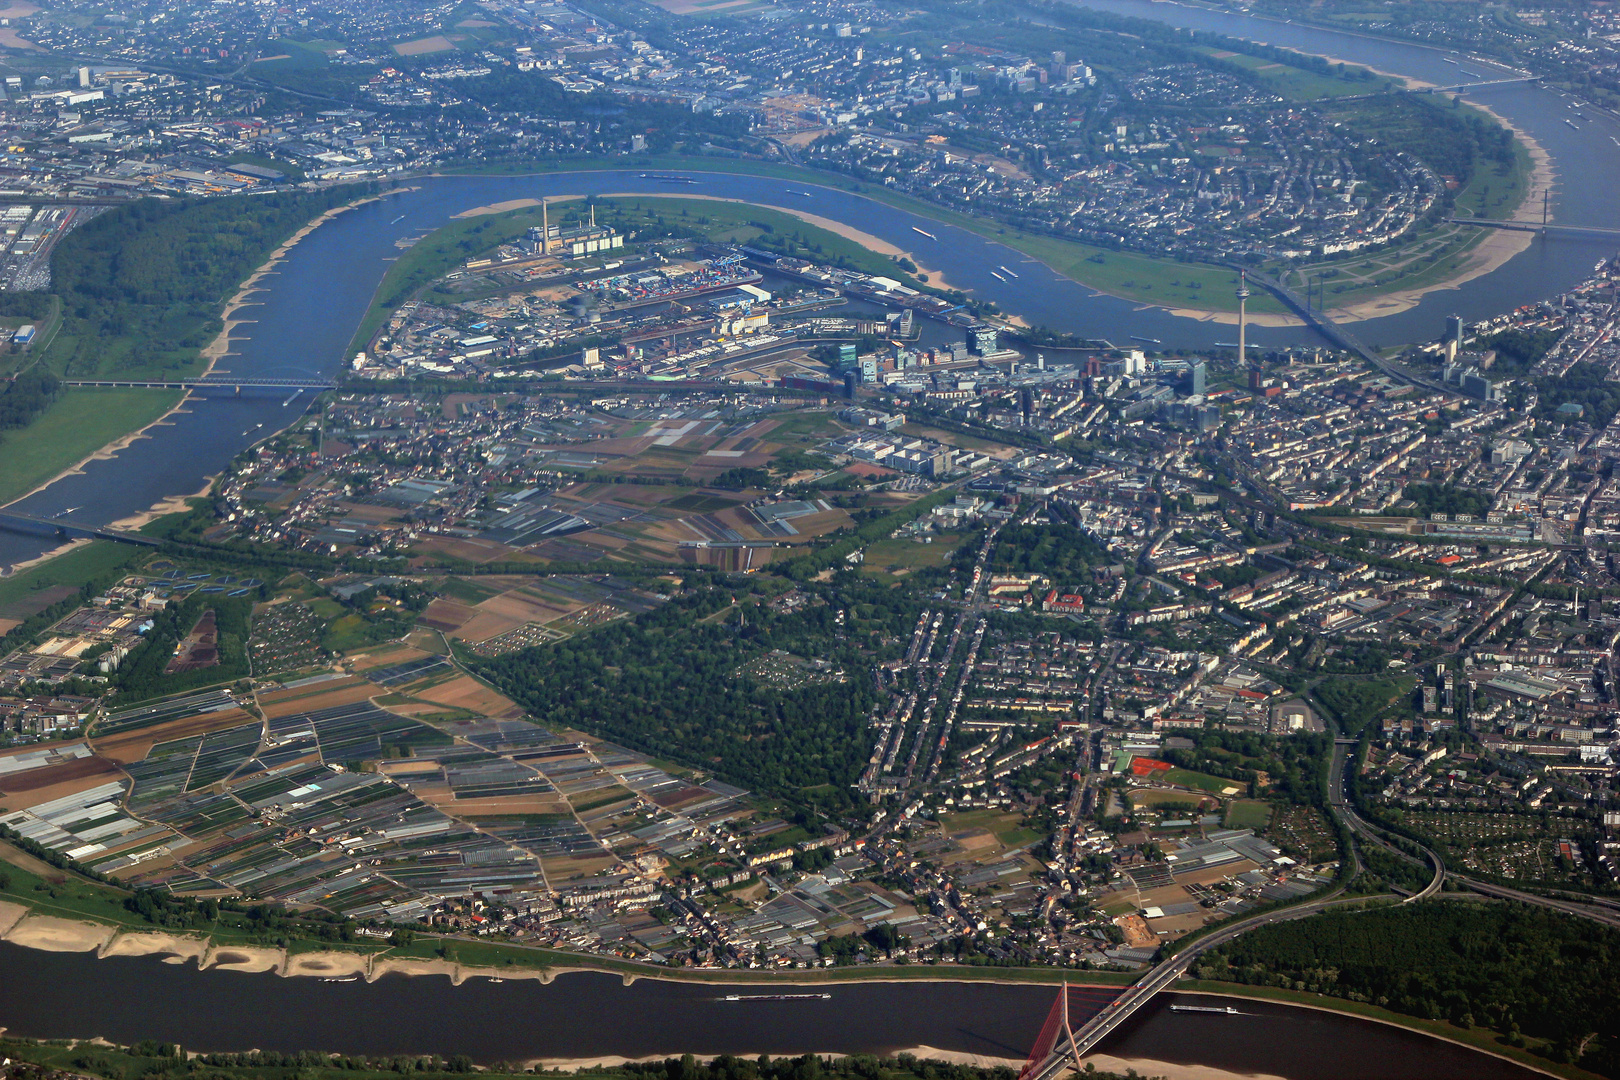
806 194
1149 340
397 220
930 235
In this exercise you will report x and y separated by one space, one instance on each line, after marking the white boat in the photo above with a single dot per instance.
930 235
1004 270
997 276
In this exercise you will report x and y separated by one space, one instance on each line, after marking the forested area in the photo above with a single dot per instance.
141 674
1061 552
142 284
25 397
1356 702
1516 350
667 684
1446 499
1533 975
1292 764
1586 385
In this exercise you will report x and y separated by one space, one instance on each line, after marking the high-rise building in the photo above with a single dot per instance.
981 339
1196 377
846 356
1453 339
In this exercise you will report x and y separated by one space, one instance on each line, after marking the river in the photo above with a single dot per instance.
582 1016
303 320
308 309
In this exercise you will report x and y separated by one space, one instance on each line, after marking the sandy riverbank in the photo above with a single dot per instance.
61 549
213 353
872 243
1169 1070
174 948
106 453
219 348
174 504
1491 253
19 926
1254 318
50 934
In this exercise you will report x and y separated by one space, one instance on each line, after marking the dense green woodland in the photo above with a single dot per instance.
25 397
142 284
1526 972
667 684
1061 552
141 674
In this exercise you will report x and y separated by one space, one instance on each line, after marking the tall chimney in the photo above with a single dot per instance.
545 227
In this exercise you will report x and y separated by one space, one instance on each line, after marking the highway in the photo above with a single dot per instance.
1342 807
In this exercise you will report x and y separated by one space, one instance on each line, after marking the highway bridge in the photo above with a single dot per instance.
1590 231
1051 1059
1344 339
17 522
1480 84
215 382
1061 1046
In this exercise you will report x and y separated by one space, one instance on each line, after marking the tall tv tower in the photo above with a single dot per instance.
1242 299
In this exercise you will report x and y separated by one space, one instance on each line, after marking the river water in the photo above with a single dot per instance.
74 995
303 320
309 307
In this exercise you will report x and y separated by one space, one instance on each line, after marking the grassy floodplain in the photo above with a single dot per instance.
77 424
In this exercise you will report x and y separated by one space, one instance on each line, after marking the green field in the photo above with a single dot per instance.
1296 83
1162 800
1007 828
1201 781
1246 814
76 425
886 557
82 564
